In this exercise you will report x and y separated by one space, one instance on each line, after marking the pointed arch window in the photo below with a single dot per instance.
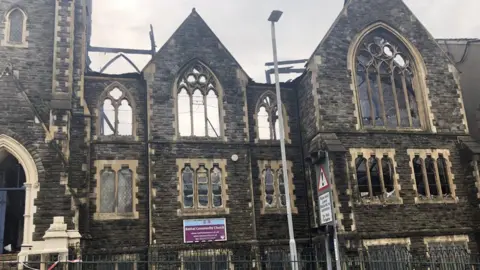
116 114
268 125
387 83
15 28
198 103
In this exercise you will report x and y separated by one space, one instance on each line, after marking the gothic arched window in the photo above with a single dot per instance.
16 26
386 79
268 124
116 114
198 102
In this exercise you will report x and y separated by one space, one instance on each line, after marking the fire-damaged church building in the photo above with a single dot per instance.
132 164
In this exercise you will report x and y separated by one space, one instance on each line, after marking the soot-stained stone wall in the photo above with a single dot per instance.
112 232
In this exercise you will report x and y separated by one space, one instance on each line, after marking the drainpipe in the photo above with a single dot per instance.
147 167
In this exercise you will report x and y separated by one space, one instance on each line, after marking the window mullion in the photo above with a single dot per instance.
407 102
210 189
369 178
116 190
205 121
380 93
116 106
425 178
195 190
437 178
394 90
380 172
192 131
370 97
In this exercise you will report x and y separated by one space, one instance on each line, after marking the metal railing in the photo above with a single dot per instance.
253 257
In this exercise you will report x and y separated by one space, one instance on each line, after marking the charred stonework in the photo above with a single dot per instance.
267 150
335 105
125 143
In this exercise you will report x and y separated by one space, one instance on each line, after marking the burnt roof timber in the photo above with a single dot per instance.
119 50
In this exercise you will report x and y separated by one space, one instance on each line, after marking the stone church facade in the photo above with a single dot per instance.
121 161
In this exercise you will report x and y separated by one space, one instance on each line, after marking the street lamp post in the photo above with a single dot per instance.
274 17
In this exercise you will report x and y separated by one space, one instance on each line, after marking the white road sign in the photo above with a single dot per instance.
326 215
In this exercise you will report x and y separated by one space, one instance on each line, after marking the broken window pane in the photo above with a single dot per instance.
116 94
125 123
125 191
362 177
216 176
430 169
375 176
108 118
184 113
388 174
198 101
107 191
187 180
267 118
16 26
263 124
202 186
198 111
269 187
384 75
213 114
443 174
116 115
419 178
281 187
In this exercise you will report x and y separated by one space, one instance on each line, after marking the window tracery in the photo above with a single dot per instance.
267 119
386 87
198 105
116 114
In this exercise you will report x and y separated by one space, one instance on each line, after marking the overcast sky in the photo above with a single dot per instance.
243 28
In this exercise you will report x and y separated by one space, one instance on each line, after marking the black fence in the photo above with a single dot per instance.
248 256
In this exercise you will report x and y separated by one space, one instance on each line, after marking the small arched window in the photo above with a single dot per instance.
386 79
16 26
268 124
198 102
116 114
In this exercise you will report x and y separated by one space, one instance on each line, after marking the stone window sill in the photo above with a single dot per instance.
202 212
115 216
277 211
435 200
271 142
379 201
115 138
14 45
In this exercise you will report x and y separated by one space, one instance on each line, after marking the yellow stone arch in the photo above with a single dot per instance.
32 186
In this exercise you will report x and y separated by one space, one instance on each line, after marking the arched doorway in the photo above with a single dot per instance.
12 203
21 181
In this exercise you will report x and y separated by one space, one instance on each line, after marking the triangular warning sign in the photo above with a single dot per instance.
322 180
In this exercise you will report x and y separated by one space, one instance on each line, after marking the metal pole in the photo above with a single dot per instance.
293 247
328 256
335 235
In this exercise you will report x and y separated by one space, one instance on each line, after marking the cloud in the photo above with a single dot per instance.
243 27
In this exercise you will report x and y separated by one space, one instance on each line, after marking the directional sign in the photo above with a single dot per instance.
322 180
326 215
